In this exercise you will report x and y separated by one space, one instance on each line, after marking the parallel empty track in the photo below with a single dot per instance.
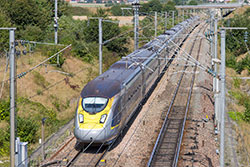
167 146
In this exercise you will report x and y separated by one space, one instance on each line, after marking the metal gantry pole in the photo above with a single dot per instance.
100 45
155 24
12 96
178 16
173 18
223 100
43 137
223 88
166 21
136 24
56 24
217 91
183 15
212 47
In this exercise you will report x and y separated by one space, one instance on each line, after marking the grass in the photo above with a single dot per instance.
237 107
40 79
42 105
236 82
236 116
79 11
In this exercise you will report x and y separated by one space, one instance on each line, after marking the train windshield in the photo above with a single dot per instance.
94 104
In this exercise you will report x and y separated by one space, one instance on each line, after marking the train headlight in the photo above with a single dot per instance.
103 118
80 116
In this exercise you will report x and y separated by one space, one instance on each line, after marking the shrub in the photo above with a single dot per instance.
4 142
236 116
79 11
231 61
236 82
247 110
4 110
27 129
39 79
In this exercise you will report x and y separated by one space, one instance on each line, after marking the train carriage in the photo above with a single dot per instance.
107 103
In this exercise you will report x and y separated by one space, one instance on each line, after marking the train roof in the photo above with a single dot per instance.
170 32
111 82
123 71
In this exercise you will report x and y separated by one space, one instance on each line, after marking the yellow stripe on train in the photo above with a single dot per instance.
92 121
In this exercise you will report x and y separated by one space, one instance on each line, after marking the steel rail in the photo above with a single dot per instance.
74 158
186 111
163 129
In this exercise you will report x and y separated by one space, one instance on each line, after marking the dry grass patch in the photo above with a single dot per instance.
238 11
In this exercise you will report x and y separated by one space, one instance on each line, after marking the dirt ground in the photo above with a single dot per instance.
123 20
135 148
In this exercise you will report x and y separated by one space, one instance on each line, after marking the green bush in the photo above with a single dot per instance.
32 33
236 82
39 79
247 110
78 11
235 39
27 129
231 61
4 142
4 109
54 60
117 11
4 34
236 116
192 2
240 97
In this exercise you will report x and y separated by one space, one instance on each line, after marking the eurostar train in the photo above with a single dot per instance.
107 103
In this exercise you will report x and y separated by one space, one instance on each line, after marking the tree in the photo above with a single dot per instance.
4 34
22 13
117 11
169 6
153 5
192 2
91 33
27 129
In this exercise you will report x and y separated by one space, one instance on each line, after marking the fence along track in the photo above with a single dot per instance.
167 146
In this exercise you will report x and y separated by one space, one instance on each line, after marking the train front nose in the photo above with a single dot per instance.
91 135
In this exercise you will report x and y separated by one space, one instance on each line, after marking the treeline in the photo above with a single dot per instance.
238 58
145 8
236 44
34 20
31 18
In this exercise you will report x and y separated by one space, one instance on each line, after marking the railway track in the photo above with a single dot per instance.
93 156
167 147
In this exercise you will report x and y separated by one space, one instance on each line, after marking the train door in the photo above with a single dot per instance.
123 103
159 63
143 84
117 114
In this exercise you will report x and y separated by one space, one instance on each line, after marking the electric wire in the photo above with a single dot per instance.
102 143
145 114
38 65
98 134
48 87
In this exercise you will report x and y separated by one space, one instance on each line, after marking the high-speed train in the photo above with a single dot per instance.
107 103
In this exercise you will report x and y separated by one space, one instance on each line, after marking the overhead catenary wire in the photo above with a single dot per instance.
45 89
38 65
145 115
97 134
100 132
